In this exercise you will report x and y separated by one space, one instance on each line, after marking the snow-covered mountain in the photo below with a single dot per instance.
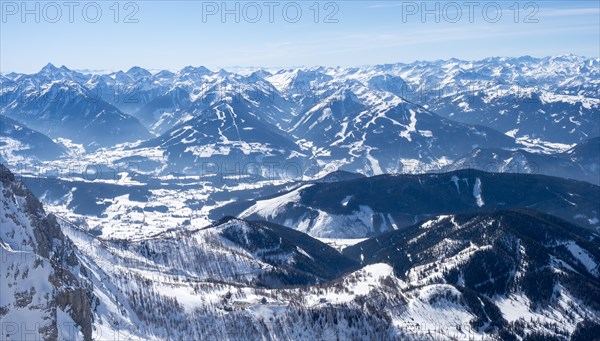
233 123
511 273
129 91
47 74
165 111
366 207
229 136
373 119
64 108
357 129
531 113
553 98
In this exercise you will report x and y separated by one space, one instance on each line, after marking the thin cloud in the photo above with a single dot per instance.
389 5
569 12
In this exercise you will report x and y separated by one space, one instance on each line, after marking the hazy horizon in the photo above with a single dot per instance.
250 68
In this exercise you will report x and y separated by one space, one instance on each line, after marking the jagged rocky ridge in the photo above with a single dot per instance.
43 287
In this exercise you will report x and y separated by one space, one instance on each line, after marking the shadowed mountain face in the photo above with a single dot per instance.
540 236
271 241
16 138
165 111
586 151
582 162
368 206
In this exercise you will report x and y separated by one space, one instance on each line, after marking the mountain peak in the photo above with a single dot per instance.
138 72
260 74
569 57
223 73
48 68
164 74
200 70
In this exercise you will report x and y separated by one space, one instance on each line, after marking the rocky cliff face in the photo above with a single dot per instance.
44 292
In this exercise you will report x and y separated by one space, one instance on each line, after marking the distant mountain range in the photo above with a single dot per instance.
54 103
374 119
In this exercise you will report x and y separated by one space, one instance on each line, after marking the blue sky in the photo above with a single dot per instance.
171 35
